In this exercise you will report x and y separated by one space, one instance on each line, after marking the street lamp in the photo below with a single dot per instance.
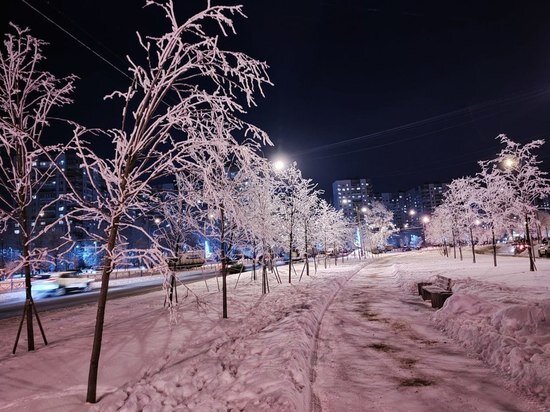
356 209
425 220
510 163
278 165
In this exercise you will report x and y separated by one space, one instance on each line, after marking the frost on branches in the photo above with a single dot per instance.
28 94
518 167
180 113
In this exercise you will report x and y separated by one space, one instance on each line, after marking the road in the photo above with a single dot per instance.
14 309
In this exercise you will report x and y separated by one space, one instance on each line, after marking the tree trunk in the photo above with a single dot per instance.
264 270
100 316
335 255
532 266
224 264
28 286
254 259
326 251
306 252
172 272
454 244
472 242
290 248
494 247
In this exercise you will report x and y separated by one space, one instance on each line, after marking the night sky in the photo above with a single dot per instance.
399 92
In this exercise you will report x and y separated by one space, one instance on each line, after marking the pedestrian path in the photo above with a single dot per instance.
377 351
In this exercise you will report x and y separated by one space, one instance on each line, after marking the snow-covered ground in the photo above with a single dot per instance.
353 337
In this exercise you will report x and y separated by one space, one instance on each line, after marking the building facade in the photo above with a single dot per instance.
350 195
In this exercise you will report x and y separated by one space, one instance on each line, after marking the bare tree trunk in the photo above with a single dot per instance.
27 271
532 266
264 269
172 270
290 248
454 244
335 255
307 250
254 259
494 246
100 316
326 251
472 242
224 264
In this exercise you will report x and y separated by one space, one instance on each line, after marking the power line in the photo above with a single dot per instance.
454 115
68 33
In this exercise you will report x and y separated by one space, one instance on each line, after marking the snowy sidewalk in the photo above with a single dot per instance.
378 351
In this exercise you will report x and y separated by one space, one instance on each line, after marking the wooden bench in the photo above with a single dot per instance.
437 292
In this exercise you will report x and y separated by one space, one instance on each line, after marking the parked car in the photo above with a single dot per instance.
544 247
59 283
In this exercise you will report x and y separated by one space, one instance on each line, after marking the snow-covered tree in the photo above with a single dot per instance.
28 94
494 203
175 218
181 112
260 203
460 199
439 229
518 165
377 225
332 229
290 185
224 186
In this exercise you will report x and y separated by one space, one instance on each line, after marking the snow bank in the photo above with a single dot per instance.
507 330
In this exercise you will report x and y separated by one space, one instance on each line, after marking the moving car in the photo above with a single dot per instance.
59 283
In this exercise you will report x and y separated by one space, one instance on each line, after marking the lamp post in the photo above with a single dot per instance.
411 214
358 222
425 220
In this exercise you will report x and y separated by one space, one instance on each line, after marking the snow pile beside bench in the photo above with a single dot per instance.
507 327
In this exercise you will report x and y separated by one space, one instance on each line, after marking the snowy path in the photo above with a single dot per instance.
377 351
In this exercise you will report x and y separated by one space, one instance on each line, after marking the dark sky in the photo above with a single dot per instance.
399 92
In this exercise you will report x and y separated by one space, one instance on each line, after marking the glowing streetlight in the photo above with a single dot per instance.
510 163
412 212
279 165
157 220
364 209
477 222
425 219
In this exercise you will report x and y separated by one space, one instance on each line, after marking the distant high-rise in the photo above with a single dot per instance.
409 206
350 195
